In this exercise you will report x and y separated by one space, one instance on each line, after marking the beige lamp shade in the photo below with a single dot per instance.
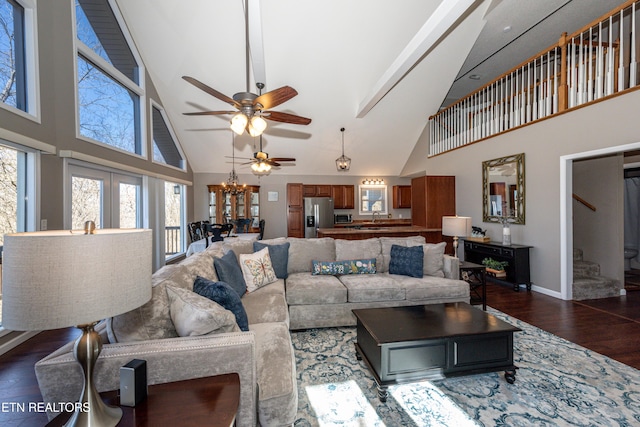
459 226
56 279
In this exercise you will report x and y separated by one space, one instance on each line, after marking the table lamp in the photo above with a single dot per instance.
456 226
62 278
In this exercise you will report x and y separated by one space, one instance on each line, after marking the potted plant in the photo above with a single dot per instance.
495 268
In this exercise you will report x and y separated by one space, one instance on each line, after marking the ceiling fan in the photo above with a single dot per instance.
262 163
251 109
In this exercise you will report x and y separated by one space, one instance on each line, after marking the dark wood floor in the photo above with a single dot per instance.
608 326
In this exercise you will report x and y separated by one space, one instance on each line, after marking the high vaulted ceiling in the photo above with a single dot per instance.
377 68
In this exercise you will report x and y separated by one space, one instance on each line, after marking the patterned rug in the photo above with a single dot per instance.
558 384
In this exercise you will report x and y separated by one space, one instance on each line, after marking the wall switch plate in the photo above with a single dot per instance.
43 225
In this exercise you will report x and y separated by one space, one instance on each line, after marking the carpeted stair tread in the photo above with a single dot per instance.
593 287
586 268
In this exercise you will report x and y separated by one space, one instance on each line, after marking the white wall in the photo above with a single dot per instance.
605 124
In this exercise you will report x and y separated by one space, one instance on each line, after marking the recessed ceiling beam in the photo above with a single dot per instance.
442 19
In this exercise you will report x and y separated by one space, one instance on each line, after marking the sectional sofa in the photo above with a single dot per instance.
262 356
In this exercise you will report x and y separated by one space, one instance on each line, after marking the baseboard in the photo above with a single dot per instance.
12 339
545 291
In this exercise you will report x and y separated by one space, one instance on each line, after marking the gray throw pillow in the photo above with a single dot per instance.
224 295
195 315
279 255
228 270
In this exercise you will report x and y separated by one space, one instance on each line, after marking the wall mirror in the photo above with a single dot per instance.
503 193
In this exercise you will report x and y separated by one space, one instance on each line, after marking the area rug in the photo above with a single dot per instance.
558 383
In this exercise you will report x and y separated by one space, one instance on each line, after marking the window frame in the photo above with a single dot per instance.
183 222
153 104
30 64
383 187
88 54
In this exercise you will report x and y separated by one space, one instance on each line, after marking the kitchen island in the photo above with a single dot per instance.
432 235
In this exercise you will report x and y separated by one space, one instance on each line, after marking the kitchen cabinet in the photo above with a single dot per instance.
321 190
343 196
295 210
432 197
224 207
401 196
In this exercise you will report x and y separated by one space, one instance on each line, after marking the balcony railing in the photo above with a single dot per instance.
598 61
172 240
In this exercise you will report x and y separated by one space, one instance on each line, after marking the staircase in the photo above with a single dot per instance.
587 282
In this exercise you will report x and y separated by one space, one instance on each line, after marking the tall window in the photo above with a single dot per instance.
165 148
174 219
109 89
16 71
17 191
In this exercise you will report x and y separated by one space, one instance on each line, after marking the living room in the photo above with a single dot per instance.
47 132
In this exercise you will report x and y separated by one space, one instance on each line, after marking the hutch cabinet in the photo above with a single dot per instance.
224 207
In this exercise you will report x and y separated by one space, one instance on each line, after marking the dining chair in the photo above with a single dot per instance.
261 228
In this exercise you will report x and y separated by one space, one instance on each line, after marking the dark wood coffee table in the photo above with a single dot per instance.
401 344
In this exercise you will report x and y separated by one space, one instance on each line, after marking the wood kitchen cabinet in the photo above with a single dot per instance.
401 196
343 196
432 197
321 190
295 210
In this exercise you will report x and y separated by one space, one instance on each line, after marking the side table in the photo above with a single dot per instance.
195 402
475 276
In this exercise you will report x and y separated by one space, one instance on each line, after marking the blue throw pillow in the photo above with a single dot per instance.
228 270
279 255
224 295
407 261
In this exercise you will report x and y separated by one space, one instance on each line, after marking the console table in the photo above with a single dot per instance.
475 276
516 255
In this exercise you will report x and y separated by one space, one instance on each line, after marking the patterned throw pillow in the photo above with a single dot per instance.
224 295
257 269
407 261
279 257
352 266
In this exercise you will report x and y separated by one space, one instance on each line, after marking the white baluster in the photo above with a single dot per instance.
621 85
632 62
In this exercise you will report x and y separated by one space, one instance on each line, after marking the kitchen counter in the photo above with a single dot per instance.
432 235
384 222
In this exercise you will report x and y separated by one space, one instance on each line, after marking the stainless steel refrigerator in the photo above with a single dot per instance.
318 213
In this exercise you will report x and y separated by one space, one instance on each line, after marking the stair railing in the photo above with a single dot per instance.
584 202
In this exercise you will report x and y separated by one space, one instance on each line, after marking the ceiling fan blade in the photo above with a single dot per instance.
275 97
283 159
278 116
211 91
272 163
209 113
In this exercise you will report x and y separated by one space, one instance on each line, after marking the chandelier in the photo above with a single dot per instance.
232 186
343 163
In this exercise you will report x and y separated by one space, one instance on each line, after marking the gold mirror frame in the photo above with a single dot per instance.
514 204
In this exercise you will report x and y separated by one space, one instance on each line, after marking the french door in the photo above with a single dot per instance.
109 198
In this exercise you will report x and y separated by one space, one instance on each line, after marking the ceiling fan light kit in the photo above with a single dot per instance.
343 163
239 123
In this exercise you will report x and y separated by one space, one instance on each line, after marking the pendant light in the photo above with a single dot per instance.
343 163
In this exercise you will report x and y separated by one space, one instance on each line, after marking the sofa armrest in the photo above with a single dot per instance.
171 359
451 267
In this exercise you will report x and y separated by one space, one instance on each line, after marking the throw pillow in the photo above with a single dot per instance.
352 266
434 259
279 257
257 269
228 270
407 261
194 315
224 295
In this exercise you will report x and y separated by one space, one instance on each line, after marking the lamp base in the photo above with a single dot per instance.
455 246
91 411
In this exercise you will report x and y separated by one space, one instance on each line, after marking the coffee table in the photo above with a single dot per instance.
401 344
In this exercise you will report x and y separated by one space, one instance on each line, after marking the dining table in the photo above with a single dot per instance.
200 245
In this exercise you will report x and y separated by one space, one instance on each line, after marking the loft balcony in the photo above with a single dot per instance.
597 62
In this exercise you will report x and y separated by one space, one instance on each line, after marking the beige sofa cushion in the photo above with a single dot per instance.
305 288
194 315
152 320
303 251
201 264
372 287
359 249
429 287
